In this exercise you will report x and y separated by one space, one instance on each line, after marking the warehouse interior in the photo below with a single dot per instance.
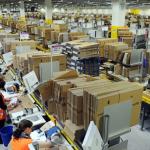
74 74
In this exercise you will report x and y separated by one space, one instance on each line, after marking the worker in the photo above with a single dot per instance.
14 88
21 137
3 108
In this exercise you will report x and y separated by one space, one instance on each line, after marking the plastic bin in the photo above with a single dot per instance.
6 134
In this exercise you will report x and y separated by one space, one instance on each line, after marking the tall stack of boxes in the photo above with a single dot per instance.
103 42
82 99
30 61
96 99
83 56
126 36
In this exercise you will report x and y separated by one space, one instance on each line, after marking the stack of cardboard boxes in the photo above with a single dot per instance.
77 51
95 99
113 51
103 42
35 60
21 26
30 61
10 45
126 36
82 99
77 35
60 27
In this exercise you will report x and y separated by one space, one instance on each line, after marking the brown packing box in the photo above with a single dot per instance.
34 61
70 129
61 27
136 109
118 69
113 93
103 42
15 43
54 36
47 34
52 107
130 71
46 90
25 103
133 93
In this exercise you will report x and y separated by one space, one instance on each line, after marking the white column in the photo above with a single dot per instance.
118 12
22 9
0 10
8 8
48 9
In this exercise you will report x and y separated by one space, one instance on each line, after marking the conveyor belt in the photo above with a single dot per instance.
50 116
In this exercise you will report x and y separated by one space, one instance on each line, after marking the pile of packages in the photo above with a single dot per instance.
103 42
83 98
126 36
82 56
10 44
113 51
30 61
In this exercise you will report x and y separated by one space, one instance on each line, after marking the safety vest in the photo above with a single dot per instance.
2 112
20 144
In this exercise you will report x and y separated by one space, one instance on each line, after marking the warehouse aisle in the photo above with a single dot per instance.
137 139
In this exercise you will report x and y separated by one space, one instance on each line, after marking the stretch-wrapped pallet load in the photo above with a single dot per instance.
83 56
103 42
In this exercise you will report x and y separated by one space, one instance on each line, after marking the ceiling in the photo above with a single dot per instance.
81 3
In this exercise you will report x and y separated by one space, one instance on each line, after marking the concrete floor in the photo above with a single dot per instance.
137 139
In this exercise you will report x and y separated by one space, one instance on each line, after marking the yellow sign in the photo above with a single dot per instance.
135 11
114 31
48 21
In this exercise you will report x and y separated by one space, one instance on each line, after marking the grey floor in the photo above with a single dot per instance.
137 139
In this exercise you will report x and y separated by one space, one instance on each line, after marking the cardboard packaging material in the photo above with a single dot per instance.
128 40
118 69
46 90
103 42
130 72
96 99
35 60
70 129
61 27
10 45
76 35
114 50
52 107
79 50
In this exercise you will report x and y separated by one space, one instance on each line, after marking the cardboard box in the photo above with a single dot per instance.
61 27
103 42
46 90
70 129
136 109
52 107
